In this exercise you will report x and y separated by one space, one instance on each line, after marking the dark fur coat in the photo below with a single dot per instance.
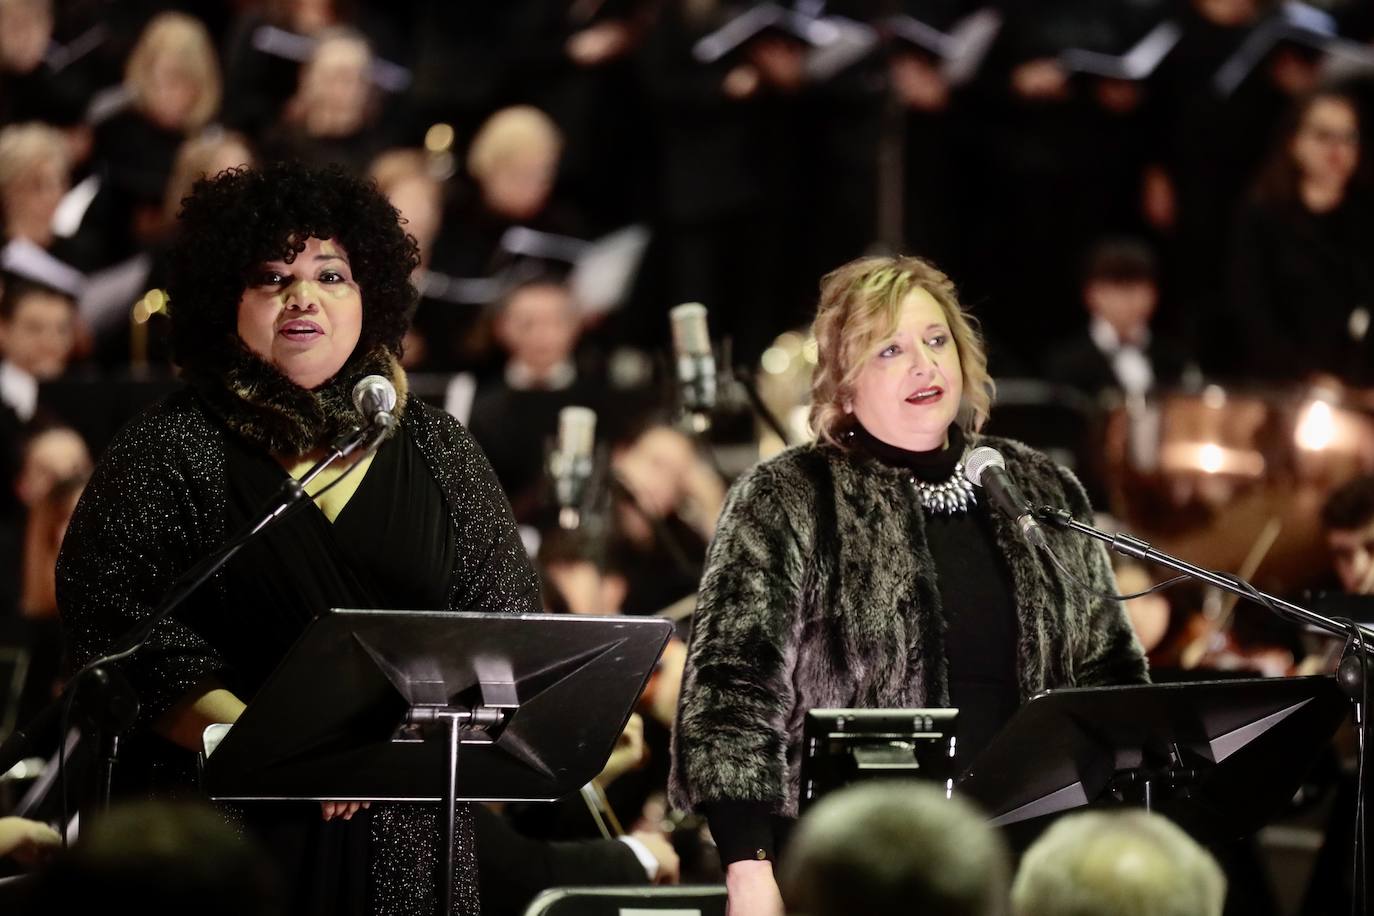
820 591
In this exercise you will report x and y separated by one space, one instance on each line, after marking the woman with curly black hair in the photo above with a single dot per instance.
287 285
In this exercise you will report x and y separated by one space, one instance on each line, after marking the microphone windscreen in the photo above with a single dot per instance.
690 333
576 431
372 393
979 460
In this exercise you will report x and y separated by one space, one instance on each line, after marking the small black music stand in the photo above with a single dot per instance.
373 705
841 746
1224 755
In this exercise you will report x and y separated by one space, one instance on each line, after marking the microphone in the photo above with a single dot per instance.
375 398
696 364
571 464
985 468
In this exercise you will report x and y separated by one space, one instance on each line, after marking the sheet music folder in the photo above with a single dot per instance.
335 720
1225 755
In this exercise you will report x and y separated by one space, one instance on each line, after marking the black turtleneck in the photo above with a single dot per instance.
981 630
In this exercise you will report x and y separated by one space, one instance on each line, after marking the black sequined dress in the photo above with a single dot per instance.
427 527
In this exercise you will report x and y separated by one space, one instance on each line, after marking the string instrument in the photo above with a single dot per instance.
1211 643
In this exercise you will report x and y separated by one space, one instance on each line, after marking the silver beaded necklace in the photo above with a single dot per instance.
948 496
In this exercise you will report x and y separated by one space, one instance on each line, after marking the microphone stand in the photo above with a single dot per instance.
1352 675
117 707
751 390
1137 549
743 376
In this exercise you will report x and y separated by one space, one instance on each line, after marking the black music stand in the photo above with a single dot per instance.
841 746
1214 755
373 705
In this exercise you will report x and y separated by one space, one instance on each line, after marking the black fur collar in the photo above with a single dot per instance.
263 406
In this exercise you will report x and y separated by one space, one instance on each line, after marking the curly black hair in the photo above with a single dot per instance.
232 223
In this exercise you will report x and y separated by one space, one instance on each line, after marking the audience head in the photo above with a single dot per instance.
407 180
538 325
1127 863
34 175
334 95
514 160
37 327
173 73
25 33
1348 520
162 858
890 848
1317 151
860 308
1121 286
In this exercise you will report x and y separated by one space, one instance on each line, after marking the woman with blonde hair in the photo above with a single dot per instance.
172 87
34 175
863 570
335 115
172 76
514 160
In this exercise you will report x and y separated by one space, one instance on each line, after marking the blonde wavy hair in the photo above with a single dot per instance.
860 305
186 40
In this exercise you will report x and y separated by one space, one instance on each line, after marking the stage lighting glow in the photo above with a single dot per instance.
1316 428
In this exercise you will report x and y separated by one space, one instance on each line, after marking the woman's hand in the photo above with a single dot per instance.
751 889
669 868
628 754
342 809
207 703
30 843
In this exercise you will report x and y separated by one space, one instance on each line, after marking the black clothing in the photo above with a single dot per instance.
56 97
975 592
822 589
161 498
1082 365
392 545
1296 278
354 153
514 426
1210 146
514 868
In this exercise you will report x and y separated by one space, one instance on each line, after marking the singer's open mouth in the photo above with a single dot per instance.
299 329
929 395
